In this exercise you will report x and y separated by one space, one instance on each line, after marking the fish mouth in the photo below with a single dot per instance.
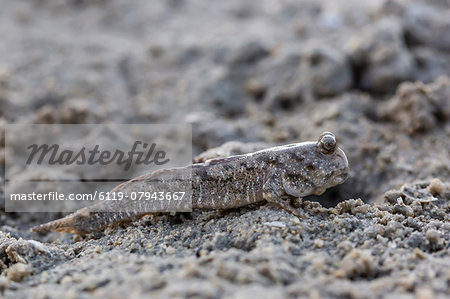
319 191
344 170
342 177
340 153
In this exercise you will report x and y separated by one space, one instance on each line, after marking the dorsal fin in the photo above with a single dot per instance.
221 160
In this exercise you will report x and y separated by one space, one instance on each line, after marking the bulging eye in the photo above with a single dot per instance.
327 143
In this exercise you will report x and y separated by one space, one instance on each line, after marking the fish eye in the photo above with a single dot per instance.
327 143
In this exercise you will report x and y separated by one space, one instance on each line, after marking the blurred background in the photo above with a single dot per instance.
256 74
260 72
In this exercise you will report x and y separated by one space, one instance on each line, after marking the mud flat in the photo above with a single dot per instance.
253 74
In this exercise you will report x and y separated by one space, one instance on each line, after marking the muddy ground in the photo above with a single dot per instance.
376 73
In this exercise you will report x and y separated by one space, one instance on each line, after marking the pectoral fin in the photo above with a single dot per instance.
289 186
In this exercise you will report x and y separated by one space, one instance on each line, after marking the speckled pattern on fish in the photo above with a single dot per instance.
275 174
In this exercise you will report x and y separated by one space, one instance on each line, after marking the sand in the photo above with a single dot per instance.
258 74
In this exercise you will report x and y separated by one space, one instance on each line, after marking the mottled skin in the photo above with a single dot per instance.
274 174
